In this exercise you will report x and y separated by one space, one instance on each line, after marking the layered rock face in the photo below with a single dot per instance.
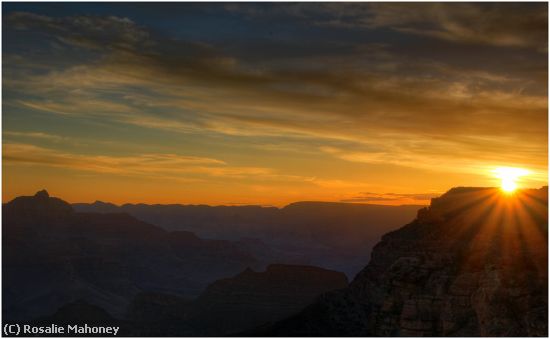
472 264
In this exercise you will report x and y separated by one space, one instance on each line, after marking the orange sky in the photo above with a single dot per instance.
271 103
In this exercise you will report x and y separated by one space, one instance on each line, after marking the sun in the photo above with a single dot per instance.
509 176
508 185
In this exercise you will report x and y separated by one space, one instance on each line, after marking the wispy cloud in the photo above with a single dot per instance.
392 197
368 116
156 165
34 135
509 24
461 156
139 164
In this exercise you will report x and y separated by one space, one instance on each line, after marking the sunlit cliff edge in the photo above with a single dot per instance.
473 263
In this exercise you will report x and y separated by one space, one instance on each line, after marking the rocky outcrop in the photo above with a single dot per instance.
252 298
236 304
472 264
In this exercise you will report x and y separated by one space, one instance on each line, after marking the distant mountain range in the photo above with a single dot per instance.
53 255
336 236
56 260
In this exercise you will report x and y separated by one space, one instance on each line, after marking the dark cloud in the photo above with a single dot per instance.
368 199
415 196
499 24
83 31
391 197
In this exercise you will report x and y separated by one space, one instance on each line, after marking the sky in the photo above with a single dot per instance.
271 103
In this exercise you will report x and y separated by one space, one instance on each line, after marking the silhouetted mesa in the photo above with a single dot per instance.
472 264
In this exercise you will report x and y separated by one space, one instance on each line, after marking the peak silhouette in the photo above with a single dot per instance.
39 207
43 194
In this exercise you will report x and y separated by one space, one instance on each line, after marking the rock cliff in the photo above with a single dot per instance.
474 263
